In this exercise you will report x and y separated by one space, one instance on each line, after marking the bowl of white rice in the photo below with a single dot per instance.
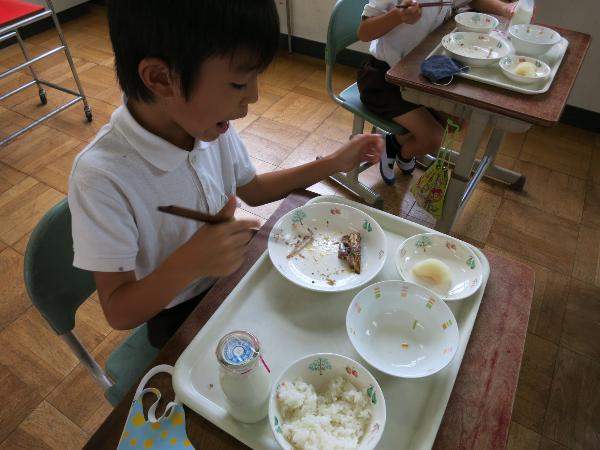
326 401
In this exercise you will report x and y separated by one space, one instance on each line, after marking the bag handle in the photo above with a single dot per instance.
141 389
448 140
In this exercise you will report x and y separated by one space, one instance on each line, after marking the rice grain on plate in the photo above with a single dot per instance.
336 419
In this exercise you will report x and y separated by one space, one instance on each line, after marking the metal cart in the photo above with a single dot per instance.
17 15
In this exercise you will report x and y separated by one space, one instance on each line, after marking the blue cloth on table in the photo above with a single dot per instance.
440 69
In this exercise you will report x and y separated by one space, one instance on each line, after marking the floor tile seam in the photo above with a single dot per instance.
579 230
31 305
592 359
539 209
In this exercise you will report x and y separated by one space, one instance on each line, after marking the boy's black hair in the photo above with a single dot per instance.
185 33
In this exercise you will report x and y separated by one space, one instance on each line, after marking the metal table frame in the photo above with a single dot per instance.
289 16
468 171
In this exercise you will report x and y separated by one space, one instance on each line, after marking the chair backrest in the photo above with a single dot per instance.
343 25
55 287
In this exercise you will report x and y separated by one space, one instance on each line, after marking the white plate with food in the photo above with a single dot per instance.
402 329
328 247
440 263
476 49
326 400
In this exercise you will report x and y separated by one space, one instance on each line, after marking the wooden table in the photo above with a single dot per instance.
479 410
485 106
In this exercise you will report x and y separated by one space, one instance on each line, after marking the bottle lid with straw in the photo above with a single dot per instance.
238 351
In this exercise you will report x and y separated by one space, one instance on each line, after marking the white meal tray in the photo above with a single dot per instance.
291 322
493 74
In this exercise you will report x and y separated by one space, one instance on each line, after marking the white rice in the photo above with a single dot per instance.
336 419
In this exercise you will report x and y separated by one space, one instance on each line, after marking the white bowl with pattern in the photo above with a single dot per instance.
533 40
318 369
317 266
475 49
466 272
509 64
402 329
475 22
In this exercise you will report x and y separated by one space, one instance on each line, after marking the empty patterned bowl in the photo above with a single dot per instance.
533 40
462 272
319 369
402 329
475 22
475 49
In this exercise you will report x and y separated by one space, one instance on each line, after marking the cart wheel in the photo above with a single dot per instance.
519 184
43 98
88 113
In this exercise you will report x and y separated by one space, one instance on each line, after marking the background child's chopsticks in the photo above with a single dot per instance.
195 215
428 4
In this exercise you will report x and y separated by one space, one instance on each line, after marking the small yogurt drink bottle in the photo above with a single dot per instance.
244 378
523 12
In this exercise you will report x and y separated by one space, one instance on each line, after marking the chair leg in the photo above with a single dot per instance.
350 180
358 125
41 90
87 360
86 107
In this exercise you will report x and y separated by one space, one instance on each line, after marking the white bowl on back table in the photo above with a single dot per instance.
508 64
475 49
475 22
532 40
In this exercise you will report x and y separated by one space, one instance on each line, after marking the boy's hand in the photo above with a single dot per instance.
361 148
411 14
220 249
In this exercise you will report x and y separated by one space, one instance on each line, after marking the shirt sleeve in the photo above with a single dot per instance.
105 236
378 7
244 170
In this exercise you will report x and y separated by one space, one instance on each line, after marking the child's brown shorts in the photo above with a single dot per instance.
164 325
381 97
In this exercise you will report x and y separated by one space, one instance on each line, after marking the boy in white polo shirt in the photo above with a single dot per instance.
393 33
186 71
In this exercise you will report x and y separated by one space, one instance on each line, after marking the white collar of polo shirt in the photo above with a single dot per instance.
154 149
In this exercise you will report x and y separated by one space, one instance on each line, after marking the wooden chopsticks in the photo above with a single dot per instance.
196 215
190 214
427 4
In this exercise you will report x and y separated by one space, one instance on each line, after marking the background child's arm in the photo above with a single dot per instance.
215 250
497 7
374 27
268 187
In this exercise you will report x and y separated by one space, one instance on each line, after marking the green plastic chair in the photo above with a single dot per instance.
343 26
57 289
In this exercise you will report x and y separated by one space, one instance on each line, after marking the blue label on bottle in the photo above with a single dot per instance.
238 351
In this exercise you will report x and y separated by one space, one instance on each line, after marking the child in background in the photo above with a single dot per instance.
393 33
186 71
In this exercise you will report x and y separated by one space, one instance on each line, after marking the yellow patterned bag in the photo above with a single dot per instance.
430 188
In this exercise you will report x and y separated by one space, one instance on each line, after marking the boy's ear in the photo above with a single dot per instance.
157 77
